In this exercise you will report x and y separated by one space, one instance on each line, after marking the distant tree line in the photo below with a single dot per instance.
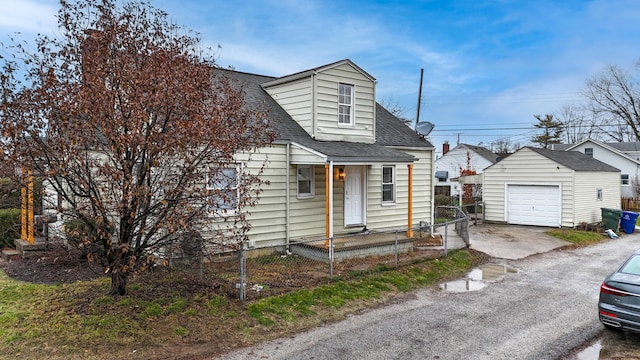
611 111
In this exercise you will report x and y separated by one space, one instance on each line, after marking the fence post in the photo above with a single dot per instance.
331 257
467 236
243 275
446 227
396 245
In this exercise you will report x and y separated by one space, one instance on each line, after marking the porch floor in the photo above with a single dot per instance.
366 244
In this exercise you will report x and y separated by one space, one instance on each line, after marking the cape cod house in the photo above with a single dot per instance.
463 156
341 163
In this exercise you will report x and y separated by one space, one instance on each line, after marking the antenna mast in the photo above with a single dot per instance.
419 99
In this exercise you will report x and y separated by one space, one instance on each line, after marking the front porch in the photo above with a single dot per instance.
361 245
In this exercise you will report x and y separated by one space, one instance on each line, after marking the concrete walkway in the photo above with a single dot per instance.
512 241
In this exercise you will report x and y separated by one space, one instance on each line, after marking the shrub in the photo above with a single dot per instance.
442 200
10 224
10 194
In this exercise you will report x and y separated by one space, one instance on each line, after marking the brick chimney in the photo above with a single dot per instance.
445 147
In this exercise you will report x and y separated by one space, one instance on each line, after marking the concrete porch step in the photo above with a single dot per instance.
25 248
11 254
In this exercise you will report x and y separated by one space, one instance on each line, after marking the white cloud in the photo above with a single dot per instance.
28 16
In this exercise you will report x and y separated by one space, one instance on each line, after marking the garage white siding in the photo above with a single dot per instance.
525 167
588 206
534 205
529 187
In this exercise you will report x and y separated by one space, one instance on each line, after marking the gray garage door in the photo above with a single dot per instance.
534 205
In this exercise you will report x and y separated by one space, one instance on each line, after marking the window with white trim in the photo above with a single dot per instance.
305 181
223 187
624 179
588 151
388 184
345 104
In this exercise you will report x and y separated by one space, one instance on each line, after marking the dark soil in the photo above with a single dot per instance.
56 264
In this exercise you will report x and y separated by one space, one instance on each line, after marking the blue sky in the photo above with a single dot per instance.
489 66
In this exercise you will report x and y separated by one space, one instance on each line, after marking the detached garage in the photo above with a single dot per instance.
549 188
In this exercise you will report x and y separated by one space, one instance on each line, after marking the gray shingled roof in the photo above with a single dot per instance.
484 152
574 160
390 131
625 146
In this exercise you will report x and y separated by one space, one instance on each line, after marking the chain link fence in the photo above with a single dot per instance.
252 273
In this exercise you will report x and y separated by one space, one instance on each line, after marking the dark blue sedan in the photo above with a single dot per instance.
619 303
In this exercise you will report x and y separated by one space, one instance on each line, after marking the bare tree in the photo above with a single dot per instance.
614 97
576 124
395 109
136 129
504 146
551 131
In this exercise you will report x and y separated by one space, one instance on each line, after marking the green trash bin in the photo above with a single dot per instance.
611 218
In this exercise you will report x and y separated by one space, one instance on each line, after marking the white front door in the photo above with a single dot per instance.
354 196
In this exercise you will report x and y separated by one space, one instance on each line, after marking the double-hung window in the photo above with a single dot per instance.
305 181
223 187
388 184
345 104
624 179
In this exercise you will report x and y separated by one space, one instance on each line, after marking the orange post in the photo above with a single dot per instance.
410 204
23 208
30 216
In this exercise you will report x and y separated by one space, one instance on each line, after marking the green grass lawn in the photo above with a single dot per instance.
166 316
578 237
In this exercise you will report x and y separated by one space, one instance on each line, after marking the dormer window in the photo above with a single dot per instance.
345 104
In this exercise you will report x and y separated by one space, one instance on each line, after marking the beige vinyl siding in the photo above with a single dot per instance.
525 167
307 218
387 216
267 218
296 99
422 184
588 208
303 156
579 188
327 105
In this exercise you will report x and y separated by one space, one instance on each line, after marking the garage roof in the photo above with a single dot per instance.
574 160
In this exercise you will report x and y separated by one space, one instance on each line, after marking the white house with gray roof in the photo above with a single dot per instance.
341 163
463 156
624 156
549 188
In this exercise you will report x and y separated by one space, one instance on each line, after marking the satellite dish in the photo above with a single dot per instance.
424 128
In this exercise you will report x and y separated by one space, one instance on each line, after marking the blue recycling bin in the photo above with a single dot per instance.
628 221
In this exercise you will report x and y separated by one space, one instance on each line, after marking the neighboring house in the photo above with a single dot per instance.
463 156
549 188
341 162
624 156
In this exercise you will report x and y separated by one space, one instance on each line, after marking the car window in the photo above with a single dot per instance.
632 266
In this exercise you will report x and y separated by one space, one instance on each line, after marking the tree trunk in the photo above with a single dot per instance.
118 283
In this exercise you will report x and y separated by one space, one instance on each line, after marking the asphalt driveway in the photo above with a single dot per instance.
542 311
512 242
